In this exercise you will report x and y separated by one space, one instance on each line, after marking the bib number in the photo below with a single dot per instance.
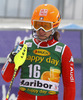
34 71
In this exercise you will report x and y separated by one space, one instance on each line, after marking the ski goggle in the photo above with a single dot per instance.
46 26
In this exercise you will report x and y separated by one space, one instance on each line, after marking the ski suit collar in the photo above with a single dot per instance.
45 43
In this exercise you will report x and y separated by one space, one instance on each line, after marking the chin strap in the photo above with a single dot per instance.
49 38
54 30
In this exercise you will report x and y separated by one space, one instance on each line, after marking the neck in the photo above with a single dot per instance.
49 38
45 43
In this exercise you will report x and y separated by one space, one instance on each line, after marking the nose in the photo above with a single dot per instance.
41 30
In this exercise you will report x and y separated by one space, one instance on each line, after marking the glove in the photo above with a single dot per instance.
10 56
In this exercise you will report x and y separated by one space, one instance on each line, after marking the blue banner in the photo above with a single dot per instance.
8 39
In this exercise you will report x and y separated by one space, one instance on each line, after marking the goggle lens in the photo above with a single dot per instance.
45 25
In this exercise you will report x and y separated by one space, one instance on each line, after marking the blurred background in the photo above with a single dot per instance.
15 25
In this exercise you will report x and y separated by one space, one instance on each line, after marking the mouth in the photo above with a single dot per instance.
42 35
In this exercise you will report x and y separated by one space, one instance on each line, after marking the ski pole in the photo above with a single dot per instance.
19 59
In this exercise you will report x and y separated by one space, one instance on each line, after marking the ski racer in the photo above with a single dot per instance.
47 59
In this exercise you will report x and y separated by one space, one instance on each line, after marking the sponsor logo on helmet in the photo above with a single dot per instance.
41 52
41 18
43 12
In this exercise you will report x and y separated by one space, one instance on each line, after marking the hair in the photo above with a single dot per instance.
56 36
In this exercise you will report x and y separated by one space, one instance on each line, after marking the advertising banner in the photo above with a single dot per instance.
8 39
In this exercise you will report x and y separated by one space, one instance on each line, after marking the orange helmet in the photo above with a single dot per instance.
47 13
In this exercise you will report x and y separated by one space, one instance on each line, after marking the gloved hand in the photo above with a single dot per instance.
10 56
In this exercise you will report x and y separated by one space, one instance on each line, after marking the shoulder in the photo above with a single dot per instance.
29 40
61 44
64 45
65 48
25 41
67 52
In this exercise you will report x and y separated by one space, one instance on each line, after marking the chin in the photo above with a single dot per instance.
42 38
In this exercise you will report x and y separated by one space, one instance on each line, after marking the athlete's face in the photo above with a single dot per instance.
43 35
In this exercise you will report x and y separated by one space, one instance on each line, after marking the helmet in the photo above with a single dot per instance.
46 13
